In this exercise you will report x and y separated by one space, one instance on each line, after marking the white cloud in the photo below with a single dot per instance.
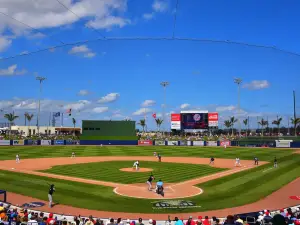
185 106
148 16
100 109
11 71
89 55
109 98
225 108
80 105
148 103
160 6
142 111
83 92
82 50
257 84
4 43
108 22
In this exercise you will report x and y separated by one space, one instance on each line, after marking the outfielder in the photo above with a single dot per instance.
149 182
256 161
50 193
237 162
136 165
73 155
17 158
275 162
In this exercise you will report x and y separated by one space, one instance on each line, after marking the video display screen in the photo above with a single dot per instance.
194 121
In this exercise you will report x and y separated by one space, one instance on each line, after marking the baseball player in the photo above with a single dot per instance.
149 182
154 154
237 161
275 162
136 165
212 161
73 155
256 161
50 193
17 158
159 157
225 146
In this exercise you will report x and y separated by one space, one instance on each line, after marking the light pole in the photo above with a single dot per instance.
40 79
238 81
164 84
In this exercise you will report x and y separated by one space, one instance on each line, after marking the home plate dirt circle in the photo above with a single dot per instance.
133 170
171 191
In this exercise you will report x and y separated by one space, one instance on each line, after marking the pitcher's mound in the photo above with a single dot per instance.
136 171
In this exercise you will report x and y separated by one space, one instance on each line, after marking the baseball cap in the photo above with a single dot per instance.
199 217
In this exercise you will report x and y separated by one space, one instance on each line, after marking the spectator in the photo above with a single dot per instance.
217 222
199 221
239 220
40 217
140 221
128 222
99 222
278 220
50 219
33 221
206 221
178 221
229 220
119 221
111 222
44 221
190 221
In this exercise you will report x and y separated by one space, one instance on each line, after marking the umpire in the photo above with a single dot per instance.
50 193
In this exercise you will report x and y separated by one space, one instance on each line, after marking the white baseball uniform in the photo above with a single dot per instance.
237 162
136 165
17 158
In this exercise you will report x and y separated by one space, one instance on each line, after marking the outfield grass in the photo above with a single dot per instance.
264 154
110 171
234 190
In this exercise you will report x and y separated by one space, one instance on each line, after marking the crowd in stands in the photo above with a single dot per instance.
18 216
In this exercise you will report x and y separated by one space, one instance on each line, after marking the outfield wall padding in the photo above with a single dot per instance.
107 142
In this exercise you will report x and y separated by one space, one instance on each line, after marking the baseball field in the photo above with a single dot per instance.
96 180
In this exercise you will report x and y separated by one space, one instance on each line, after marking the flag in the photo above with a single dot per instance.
57 114
154 115
69 111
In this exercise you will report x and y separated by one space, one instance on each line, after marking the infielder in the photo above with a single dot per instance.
212 161
73 155
17 158
149 182
256 161
50 193
237 162
159 157
136 165
275 162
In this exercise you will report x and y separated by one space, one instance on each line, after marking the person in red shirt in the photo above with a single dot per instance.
206 221
50 219
190 221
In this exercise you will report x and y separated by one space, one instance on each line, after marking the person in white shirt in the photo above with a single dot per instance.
17 158
136 165
237 162
32 221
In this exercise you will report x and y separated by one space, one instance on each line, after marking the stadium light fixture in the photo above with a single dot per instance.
164 84
238 81
40 79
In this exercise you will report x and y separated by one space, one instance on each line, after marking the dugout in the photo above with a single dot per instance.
108 130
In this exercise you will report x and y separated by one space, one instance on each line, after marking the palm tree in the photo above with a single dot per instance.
10 117
29 118
142 123
245 121
263 123
277 123
232 120
74 124
227 124
295 121
158 123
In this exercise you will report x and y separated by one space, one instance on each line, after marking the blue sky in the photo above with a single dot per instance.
113 79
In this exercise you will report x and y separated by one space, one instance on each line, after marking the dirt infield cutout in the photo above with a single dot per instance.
133 170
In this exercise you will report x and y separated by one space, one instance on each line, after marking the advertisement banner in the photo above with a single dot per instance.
175 121
198 143
183 143
59 142
283 143
145 143
189 143
18 142
4 142
45 142
211 143
213 119
222 143
72 142
160 143
172 142
32 142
